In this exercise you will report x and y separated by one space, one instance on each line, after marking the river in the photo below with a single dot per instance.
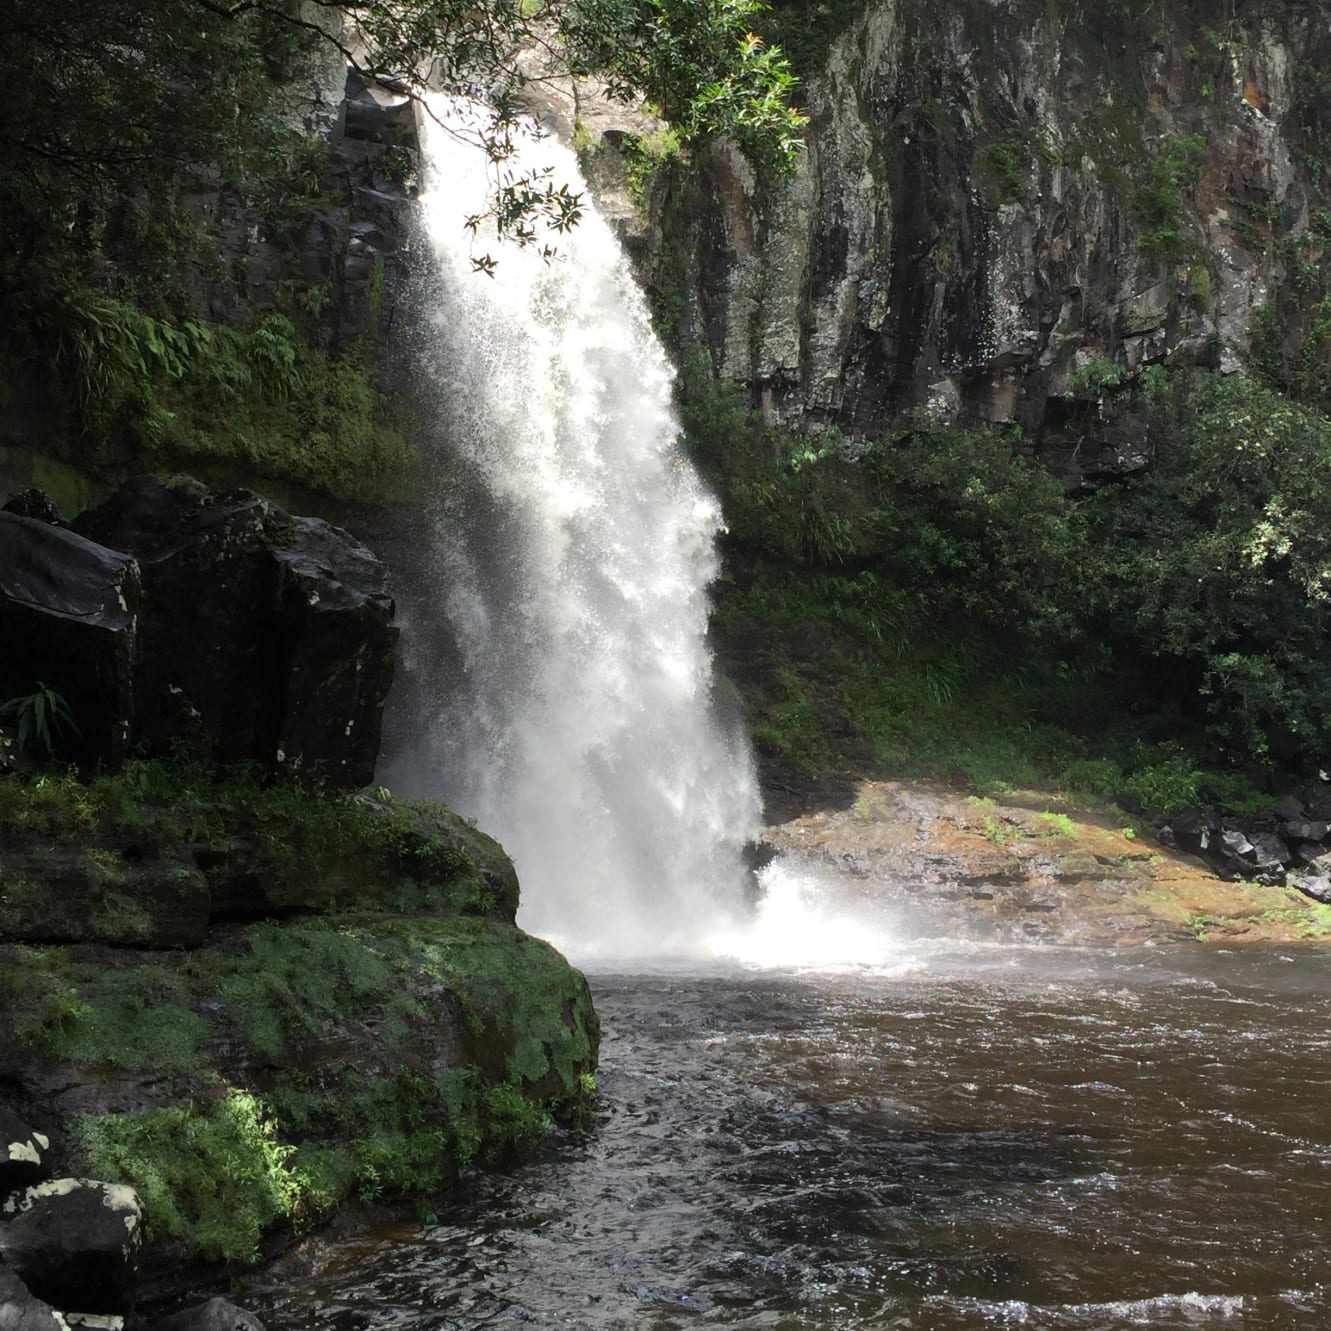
979 1138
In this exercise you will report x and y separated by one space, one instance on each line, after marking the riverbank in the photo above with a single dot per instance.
1028 866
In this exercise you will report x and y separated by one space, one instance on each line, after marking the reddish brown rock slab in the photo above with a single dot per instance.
1032 866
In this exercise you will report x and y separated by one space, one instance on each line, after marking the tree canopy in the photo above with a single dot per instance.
109 97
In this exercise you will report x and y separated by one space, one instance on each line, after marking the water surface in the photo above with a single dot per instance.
997 1138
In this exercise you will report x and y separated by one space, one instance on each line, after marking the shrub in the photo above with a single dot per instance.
1217 561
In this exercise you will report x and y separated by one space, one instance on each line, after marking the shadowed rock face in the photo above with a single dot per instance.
994 197
68 621
269 634
21 1310
74 1242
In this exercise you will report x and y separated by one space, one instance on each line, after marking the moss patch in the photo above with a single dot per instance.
371 1055
137 842
140 391
213 1176
385 1027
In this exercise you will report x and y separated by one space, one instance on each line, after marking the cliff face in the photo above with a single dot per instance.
998 197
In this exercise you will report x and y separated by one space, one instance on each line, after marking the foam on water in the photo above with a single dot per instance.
799 924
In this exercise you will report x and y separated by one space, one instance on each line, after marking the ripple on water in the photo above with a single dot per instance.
956 1150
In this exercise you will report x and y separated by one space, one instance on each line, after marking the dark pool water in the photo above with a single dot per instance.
989 1139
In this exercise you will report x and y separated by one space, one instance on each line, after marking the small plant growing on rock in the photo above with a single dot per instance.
40 718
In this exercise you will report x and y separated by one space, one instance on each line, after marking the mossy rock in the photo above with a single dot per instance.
152 855
347 1006
254 1083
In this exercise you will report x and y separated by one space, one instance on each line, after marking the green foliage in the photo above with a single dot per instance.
189 86
1058 824
645 155
933 521
1160 196
1095 378
936 604
117 103
42 1003
1291 333
699 62
1219 559
1003 163
327 850
40 718
132 121
806 29
386 1122
189 391
1166 786
215 1175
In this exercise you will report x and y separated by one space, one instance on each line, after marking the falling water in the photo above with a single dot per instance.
572 712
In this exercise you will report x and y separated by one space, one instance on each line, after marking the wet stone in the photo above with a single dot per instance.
75 1243
21 1310
22 1152
1312 885
215 1315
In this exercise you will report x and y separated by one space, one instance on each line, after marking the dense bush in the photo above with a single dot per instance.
954 608
1217 560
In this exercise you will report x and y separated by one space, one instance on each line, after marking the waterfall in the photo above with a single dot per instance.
559 678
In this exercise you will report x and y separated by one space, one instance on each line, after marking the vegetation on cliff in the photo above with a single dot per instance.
139 164
937 602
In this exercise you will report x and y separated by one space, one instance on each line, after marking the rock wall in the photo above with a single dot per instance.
999 196
173 615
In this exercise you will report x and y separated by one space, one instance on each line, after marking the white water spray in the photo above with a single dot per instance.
572 550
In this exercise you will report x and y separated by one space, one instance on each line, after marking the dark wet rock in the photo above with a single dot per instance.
1194 829
88 890
215 1315
22 1153
36 504
1269 851
268 634
1311 885
1305 852
75 1243
1305 829
68 611
1289 808
388 117
1233 841
21 1310
1244 849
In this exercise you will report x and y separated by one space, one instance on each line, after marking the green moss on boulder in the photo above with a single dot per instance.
357 1015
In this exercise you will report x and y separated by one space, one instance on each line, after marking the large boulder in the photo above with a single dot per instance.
68 611
75 1243
93 888
269 635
